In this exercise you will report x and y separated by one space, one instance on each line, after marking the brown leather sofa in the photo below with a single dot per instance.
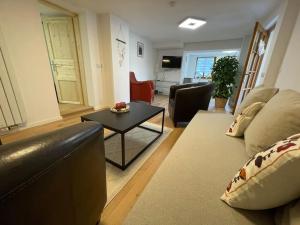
187 99
54 179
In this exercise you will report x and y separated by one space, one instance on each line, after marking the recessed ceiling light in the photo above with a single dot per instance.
191 23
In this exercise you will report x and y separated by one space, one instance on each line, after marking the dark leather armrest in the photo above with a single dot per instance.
172 92
28 159
55 178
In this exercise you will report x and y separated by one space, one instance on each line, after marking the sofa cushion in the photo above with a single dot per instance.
258 94
279 119
239 125
187 187
270 179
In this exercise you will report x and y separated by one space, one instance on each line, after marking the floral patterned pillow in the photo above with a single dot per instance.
242 121
268 180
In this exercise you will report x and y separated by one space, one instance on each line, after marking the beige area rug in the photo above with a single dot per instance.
135 140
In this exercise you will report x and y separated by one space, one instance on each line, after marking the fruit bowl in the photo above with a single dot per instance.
120 108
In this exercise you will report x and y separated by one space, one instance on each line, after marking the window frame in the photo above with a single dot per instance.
205 57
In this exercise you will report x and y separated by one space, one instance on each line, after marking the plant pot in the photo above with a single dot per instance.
220 102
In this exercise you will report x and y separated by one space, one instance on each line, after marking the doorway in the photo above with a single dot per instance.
61 31
255 56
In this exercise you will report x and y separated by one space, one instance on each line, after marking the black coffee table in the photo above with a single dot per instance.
122 123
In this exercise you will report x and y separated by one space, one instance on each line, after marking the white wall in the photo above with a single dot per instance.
120 29
168 74
115 73
168 45
142 66
214 45
21 26
270 19
198 46
177 74
105 48
289 75
287 18
91 57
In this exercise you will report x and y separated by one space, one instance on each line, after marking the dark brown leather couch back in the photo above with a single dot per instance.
54 179
187 99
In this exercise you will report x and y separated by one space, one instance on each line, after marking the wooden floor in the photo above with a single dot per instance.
118 208
70 120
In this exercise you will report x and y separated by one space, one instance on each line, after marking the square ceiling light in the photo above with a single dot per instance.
192 23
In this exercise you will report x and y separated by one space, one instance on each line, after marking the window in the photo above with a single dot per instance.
204 66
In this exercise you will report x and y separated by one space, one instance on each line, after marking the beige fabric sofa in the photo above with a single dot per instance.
187 187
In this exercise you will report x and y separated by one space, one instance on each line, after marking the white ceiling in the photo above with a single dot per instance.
157 20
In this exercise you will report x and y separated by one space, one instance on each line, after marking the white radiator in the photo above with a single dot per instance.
10 110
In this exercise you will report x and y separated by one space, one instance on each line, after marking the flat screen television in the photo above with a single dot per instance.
171 62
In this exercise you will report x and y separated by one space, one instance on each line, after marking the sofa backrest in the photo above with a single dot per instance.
188 101
174 88
55 178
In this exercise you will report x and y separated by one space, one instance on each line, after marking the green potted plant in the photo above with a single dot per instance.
223 77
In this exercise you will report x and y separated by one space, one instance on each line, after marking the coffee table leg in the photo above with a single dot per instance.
123 151
163 122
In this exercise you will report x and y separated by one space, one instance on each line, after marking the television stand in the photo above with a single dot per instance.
163 86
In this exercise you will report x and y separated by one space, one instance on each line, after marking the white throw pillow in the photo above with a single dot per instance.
239 125
258 94
268 180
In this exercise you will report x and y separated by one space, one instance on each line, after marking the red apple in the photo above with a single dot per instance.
120 105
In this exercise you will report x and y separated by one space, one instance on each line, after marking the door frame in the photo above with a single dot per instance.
78 42
258 33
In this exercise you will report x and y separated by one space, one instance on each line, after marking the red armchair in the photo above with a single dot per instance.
141 90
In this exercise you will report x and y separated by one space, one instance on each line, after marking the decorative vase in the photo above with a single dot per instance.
220 102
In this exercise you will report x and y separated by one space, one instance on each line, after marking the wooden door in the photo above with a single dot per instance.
253 62
63 55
